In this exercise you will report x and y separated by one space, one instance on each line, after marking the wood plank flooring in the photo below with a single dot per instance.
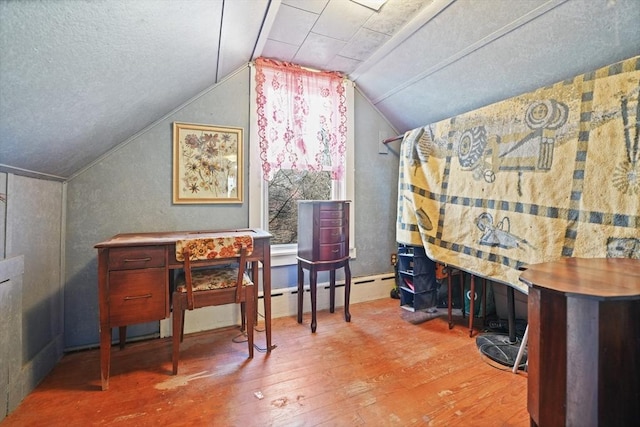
379 370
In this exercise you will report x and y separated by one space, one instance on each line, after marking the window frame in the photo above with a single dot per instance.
285 254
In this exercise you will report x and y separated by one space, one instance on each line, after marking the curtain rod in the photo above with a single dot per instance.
393 138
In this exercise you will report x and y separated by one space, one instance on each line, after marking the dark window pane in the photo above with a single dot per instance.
285 189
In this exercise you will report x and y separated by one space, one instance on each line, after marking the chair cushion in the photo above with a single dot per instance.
212 278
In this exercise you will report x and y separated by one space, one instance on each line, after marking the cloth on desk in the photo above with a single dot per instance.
548 174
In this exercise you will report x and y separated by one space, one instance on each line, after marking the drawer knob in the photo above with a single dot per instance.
137 297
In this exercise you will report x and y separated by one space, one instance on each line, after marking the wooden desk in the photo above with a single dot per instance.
134 280
584 342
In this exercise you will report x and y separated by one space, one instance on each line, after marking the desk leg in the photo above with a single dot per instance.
122 334
105 356
266 283
313 279
347 291
255 280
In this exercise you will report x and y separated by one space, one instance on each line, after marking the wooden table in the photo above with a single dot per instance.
584 342
134 281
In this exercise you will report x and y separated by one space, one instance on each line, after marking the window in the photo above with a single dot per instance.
273 201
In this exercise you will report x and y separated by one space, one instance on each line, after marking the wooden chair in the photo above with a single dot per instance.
226 282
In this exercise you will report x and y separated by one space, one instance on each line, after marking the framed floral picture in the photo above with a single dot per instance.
207 164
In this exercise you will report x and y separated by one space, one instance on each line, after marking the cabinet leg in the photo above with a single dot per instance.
347 291
313 286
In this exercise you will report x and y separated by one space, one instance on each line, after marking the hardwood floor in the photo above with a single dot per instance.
379 370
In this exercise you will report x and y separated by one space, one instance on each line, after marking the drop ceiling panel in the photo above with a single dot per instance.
394 14
341 19
282 51
317 50
342 64
315 6
363 43
292 25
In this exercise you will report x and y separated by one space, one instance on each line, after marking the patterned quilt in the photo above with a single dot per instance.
548 174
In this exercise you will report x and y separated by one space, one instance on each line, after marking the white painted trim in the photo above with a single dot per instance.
284 302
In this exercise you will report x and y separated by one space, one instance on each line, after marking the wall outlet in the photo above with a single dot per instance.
394 259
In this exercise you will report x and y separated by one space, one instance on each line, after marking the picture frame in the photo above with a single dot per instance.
207 164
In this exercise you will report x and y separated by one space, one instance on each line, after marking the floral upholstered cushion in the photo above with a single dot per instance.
212 278
214 247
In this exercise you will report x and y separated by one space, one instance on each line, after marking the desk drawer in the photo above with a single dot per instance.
331 252
130 258
137 296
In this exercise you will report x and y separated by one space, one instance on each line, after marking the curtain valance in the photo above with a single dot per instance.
301 118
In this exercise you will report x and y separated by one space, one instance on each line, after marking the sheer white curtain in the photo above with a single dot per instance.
302 119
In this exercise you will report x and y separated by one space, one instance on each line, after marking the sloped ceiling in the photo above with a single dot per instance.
77 78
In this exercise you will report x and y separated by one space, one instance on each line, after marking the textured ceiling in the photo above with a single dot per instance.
77 78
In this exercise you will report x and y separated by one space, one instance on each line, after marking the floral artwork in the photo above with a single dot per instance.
207 164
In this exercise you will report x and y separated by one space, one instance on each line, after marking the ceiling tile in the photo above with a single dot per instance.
318 50
363 44
341 19
315 6
342 64
281 51
292 25
394 14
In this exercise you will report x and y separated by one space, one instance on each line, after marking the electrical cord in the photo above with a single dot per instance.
507 361
242 337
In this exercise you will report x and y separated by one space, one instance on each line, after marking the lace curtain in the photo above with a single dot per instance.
301 119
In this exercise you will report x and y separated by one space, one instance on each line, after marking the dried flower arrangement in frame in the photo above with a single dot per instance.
207 164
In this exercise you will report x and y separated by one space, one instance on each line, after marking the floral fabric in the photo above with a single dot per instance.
214 247
212 278
301 119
